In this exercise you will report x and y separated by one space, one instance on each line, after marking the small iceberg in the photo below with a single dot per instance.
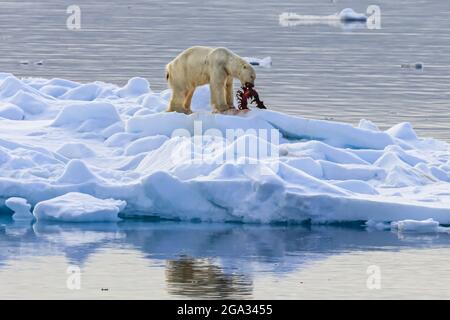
79 207
264 62
343 19
349 15
21 209
418 226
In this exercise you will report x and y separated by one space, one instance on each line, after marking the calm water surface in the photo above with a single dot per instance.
166 260
319 71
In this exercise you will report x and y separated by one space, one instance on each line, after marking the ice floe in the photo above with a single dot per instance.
346 18
263 166
260 62
424 226
20 207
78 207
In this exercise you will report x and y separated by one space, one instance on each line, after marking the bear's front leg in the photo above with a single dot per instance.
217 86
229 92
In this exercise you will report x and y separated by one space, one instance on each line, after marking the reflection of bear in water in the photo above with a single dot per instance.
199 278
198 66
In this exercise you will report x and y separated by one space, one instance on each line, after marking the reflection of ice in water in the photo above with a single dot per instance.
290 19
199 260
71 235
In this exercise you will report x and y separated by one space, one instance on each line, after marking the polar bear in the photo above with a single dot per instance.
197 66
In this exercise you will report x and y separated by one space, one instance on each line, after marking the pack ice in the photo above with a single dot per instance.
65 145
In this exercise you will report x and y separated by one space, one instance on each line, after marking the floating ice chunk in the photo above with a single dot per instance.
76 172
135 87
11 111
342 19
20 207
349 15
403 131
264 62
145 145
76 151
79 207
105 114
423 226
322 171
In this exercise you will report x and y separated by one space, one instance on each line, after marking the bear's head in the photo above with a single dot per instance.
246 74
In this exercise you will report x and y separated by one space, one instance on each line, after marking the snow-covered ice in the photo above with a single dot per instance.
115 142
10 111
78 207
